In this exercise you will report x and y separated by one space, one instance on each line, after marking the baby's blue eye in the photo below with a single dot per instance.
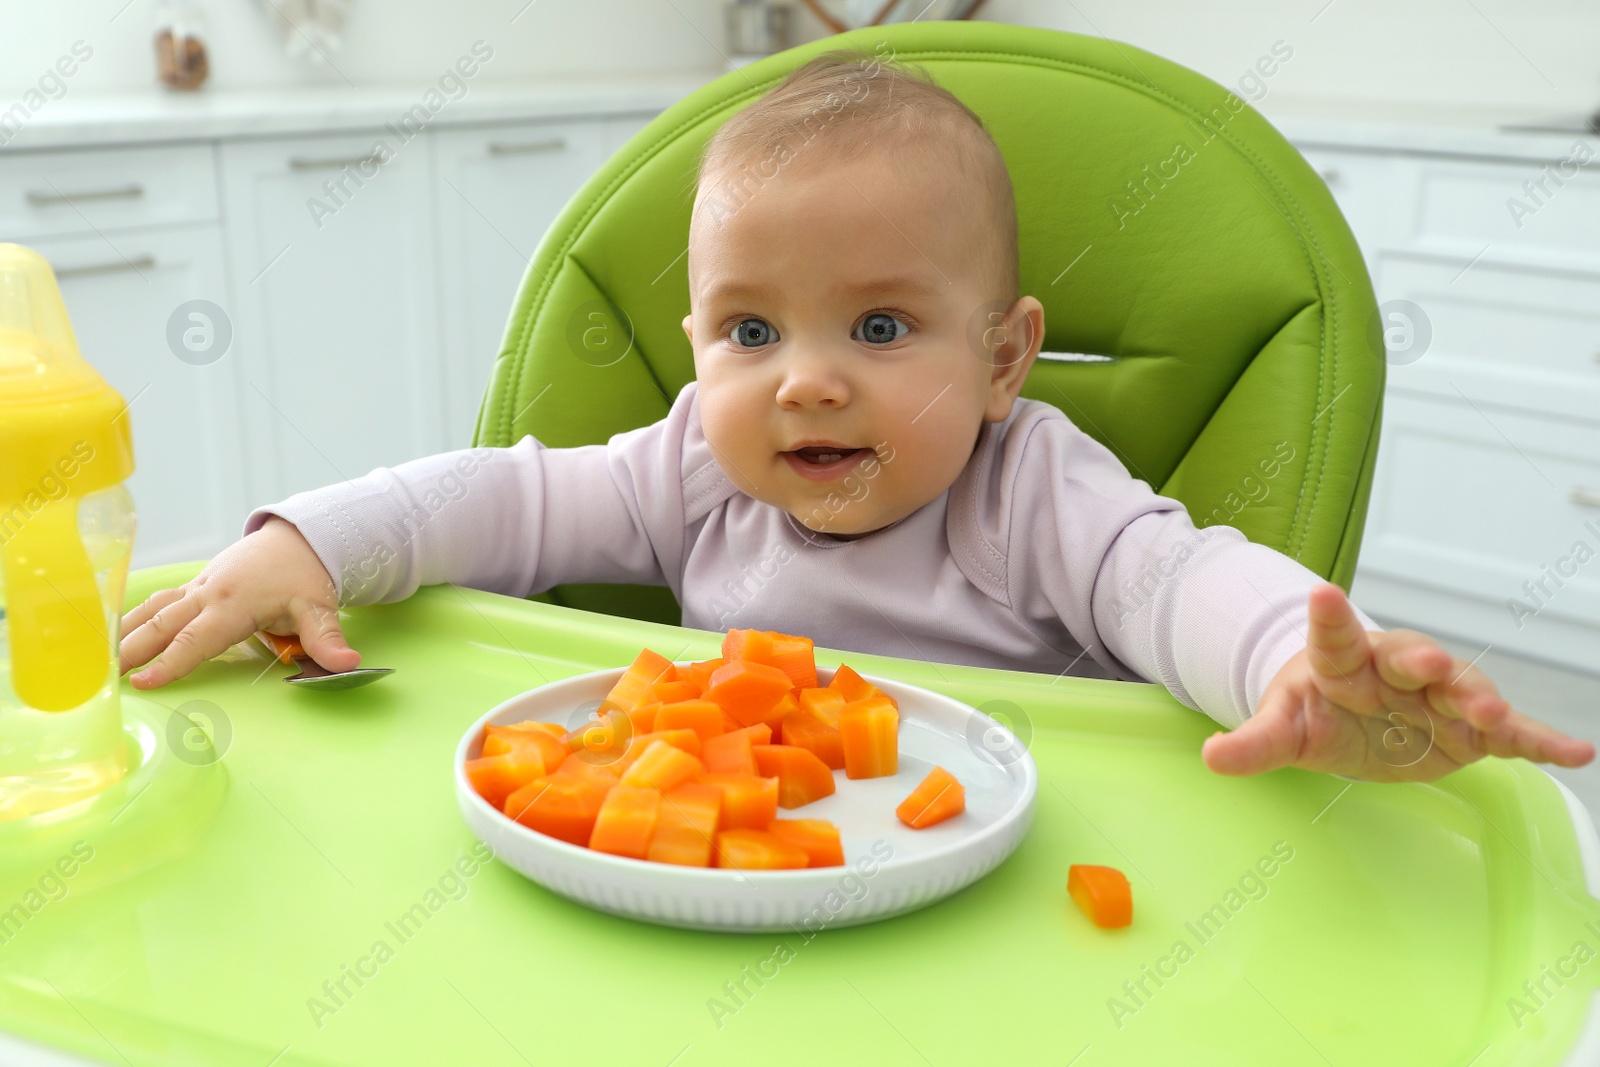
753 333
880 329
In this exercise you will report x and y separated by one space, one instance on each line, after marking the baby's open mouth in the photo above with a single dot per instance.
825 454
825 462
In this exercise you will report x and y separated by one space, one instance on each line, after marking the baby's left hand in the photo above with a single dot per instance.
1381 705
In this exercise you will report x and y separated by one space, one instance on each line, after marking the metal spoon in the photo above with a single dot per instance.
312 674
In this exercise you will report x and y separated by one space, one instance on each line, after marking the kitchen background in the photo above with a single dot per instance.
277 321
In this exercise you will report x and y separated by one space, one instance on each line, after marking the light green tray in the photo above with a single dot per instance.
1398 925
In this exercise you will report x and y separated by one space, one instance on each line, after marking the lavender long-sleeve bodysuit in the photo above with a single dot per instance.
1045 555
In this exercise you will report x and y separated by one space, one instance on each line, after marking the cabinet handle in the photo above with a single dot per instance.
121 192
1589 498
299 163
501 148
138 263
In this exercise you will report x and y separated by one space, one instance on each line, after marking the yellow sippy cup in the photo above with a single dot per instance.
66 532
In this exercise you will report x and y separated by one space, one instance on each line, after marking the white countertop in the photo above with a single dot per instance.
155 114
1424 128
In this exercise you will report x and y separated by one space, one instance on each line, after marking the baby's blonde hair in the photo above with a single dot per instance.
855 101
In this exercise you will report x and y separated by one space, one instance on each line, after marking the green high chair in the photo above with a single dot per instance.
1217 319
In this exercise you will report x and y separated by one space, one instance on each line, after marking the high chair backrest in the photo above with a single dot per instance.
1219 322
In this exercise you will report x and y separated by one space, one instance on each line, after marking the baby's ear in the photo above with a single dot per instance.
688 326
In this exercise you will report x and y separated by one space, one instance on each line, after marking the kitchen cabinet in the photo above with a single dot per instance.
1484 522
335 272
356 297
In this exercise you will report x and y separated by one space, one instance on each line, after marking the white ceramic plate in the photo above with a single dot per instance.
889 868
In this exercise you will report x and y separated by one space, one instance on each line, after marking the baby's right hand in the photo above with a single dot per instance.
270 580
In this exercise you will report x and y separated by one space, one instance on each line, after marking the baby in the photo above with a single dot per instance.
853 463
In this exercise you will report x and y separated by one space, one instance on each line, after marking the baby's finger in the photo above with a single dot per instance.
1539 742
146 640
1339 647
1409 660
1269 739
1469 695
153 603
318 629
209 634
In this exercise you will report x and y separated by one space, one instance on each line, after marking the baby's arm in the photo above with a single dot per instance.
514 520
1249 636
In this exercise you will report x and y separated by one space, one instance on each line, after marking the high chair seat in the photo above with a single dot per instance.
1208 313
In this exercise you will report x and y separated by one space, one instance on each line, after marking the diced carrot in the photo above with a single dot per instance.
851 684
748 691
585 765
661 766
647 669
496 777
686 826
701 716
749 802
869 732
698 673
604 738
805 729
753 645
673 691
802 777
791 654
554 729
687 740
823 703
643 717
560 805
626 821
786 706
1102 893
818 837
760 733
730 753
935 799
757 850
499 739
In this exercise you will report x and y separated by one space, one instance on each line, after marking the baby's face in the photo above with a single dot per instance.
838 317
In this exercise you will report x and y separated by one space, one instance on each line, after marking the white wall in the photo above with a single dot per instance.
1541 54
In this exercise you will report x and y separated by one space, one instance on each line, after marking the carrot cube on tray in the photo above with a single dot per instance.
563 806
869 731
802 777
757 850
626 820
935 799
1102 893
